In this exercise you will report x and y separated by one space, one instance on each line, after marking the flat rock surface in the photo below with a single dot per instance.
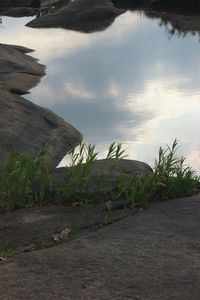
151 255
21 228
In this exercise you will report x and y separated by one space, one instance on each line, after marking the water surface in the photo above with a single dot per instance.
133 83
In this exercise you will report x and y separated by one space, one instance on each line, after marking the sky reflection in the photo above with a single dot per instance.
128 84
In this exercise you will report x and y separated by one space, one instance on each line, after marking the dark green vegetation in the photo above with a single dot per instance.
171 179
16 181
42 242
52 8
5 251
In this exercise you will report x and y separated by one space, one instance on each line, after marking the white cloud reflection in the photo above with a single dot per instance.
74 90
129 84
52 43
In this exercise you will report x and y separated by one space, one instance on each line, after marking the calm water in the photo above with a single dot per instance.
131 83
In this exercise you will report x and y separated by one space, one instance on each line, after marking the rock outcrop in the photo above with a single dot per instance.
81 15
151 255
103 178
24 126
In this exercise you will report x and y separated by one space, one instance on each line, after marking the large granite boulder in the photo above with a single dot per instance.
24 126
80 15
104 175
18 71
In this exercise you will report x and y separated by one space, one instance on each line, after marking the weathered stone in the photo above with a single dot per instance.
104 175
81 15
13 61
20 228
151 255
24 126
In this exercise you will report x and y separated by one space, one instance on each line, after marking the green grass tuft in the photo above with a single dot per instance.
5 251
172 178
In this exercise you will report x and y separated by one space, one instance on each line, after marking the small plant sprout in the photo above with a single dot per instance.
115 151
75 227
42 242
171 178
5 251
16 183
109 205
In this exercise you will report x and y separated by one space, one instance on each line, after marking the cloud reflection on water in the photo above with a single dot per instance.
130 83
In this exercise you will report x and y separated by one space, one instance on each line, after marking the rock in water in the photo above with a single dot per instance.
81 15
24 126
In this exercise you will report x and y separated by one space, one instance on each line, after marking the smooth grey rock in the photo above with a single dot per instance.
26 128
20 228
80 15
104 175
13 60
151 255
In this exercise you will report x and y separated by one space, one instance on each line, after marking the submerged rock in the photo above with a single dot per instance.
24 126
80 15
